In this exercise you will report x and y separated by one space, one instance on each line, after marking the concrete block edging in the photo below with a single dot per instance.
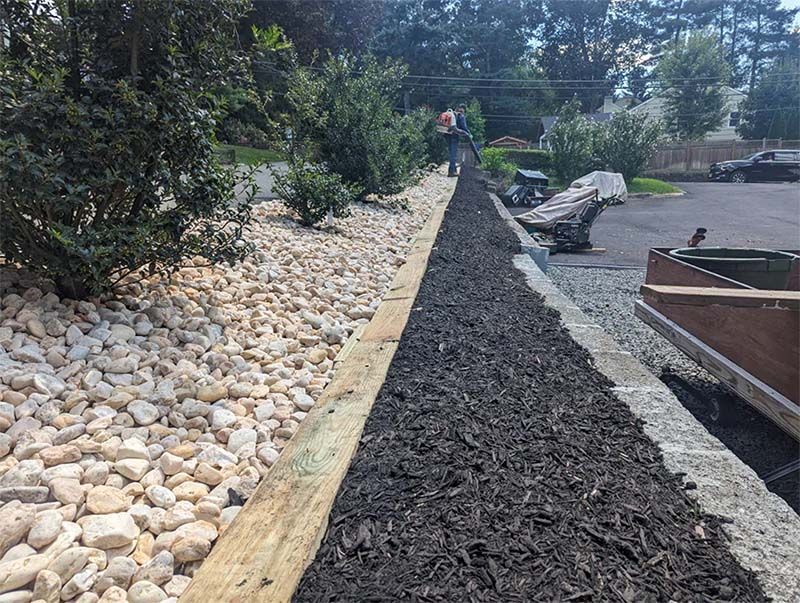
527 243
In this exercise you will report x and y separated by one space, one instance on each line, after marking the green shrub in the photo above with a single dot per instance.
420 140
627 143
572 143
345 114
475 120
312 191
531 159
106 151
494 161
235 131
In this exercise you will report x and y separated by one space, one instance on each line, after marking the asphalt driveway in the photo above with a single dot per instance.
736 215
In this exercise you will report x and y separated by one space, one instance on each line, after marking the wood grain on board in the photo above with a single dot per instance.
703 296
262 555
767 400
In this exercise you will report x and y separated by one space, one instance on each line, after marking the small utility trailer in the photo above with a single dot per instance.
736 312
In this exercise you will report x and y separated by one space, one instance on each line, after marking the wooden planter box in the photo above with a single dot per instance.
748 338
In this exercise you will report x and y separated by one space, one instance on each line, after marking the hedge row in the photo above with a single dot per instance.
530 159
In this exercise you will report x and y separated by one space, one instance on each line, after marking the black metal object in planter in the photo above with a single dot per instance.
528 189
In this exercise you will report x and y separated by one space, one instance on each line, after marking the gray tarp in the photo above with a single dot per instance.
566 204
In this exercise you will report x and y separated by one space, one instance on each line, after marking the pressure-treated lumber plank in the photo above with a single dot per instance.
262 555
349 345
761 396
389 320
703 296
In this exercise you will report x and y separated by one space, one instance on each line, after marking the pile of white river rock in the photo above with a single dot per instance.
133 430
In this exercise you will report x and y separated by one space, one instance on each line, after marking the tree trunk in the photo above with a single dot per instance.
75 63
735 31
135 40
755 51
678 21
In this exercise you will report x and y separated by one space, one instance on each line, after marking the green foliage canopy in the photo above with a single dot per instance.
572 143
107 162
772 109
626 143
312 191
694 72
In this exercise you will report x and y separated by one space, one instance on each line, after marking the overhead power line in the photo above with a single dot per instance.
535 117
448 80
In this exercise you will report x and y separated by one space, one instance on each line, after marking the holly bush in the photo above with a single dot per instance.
107 166
312 191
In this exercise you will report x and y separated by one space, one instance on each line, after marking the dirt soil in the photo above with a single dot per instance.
496 465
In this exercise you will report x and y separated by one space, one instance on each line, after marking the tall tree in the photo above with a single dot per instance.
319 26
768 35
592 40
456 48
771 109
694 71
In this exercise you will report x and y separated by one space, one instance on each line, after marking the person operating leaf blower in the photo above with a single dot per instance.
454 125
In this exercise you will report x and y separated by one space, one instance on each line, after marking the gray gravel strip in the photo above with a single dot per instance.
607 297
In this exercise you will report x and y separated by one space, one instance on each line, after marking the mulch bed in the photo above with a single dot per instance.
496 465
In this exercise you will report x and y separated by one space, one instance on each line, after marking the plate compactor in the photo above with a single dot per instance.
573 234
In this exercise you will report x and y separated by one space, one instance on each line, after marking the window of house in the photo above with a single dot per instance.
733 120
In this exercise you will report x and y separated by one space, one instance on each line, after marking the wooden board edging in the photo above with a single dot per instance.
264 552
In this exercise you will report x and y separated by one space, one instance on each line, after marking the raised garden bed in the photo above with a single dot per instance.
497 465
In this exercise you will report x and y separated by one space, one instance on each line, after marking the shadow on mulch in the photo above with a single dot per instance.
496 465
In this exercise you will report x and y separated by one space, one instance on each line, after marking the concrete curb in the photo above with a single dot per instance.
657 195
527 244
764 532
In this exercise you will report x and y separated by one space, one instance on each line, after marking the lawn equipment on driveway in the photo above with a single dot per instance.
563 222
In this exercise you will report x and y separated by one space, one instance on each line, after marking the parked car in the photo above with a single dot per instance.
765 166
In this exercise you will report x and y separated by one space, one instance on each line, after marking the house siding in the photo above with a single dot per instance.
655 108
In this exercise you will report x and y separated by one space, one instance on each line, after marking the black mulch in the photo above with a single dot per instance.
497 466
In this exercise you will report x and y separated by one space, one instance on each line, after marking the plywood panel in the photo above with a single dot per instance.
662 269
760 395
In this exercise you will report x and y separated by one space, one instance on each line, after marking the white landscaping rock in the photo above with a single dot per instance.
145 592
161 496
45 528
15 521
136 417
108 531
132 448
47 587
17 573
105 499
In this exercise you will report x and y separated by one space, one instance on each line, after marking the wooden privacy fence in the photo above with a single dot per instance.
697 156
